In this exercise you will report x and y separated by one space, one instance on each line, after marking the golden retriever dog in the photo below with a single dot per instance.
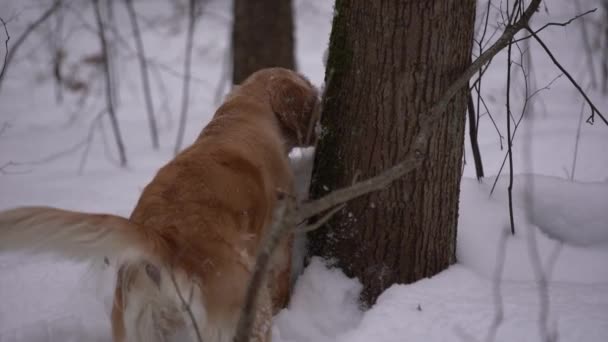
185 256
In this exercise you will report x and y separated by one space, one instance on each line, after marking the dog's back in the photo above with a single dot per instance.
212 203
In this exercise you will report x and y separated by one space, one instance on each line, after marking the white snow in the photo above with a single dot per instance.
560 211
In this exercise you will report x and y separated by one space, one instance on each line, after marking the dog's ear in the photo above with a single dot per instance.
295 102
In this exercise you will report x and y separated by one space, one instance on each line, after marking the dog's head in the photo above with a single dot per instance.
293 99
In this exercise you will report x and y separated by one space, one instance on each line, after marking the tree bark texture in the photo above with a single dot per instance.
262 36
389 60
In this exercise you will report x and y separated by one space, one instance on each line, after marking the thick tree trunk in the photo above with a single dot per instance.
389 60
262 36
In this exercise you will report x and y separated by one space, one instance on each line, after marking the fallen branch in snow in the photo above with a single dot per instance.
10 54
109 92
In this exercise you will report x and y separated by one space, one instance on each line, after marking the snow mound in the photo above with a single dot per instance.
568 220
324 305
455 305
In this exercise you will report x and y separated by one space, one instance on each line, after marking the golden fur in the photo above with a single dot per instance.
197 227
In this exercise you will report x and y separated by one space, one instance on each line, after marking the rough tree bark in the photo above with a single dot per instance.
389 60
262 36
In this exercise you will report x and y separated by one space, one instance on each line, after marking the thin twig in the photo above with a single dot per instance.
489 113
533 252
320 222
144 73
89 141
186 84
594 110
10 54
587 47
477 87
504 160
565 23
109 98
224 75
578 137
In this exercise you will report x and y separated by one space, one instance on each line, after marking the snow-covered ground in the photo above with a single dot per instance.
561 215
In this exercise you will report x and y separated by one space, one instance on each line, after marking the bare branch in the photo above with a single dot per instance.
8 37
501 253
186 84
144 73
473 137
562 24
320 222
504 40
109 98
594 110
504 160
587 47
283 221
542 277
89 141
578 137
10 54
510 141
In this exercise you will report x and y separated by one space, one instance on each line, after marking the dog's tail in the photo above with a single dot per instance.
72 235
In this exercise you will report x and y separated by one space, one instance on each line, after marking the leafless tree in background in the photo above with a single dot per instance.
145 81
10 51
262 36
192 16
109 86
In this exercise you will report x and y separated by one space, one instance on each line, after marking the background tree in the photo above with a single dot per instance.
388 62
262 36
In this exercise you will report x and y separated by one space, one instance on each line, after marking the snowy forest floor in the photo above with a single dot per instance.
559 209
